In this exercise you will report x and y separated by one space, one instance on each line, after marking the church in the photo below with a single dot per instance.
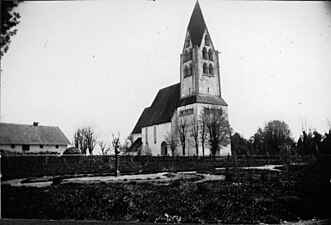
199 88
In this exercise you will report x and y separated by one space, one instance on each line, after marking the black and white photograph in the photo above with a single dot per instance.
165 111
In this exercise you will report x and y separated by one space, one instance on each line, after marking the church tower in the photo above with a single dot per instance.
179 106
199 65
200 84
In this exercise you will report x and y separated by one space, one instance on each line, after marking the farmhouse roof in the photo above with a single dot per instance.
197 25
31 135
162 108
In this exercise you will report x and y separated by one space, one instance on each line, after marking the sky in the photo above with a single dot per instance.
100 63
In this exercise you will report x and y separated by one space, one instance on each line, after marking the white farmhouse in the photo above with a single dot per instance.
199 88
32 138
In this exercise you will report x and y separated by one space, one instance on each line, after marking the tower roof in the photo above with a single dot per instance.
197 25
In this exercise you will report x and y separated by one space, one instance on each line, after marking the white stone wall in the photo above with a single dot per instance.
36 148
224 150
152 145
190 148
187 88
187 83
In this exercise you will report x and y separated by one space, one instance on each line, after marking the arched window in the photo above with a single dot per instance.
207 40
185 56
211 69
204 53
205 68
154 134
187 43
210 55
190 54
189 70
185 71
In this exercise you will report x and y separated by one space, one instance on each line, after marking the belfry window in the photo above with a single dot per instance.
190 70
207 40
187 43
205 68
204 53
211 69
185 71
190 54
210 55
185 58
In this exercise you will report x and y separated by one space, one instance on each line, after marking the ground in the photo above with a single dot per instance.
239 195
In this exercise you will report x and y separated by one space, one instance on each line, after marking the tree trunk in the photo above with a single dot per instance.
116 161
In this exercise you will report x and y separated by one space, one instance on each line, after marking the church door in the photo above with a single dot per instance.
164 148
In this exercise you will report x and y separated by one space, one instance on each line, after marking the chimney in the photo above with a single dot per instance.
35 124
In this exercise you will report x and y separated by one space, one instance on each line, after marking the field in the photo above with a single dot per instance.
289 193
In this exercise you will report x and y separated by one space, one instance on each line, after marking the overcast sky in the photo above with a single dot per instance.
74 63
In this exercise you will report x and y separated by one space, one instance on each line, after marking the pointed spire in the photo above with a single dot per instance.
197 25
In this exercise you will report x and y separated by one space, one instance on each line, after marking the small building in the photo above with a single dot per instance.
32 138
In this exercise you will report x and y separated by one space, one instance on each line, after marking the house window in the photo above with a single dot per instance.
25 147
204 53
146 135
211 69
154 134
12 146
56 146
210 55
41 146
205 68
207 40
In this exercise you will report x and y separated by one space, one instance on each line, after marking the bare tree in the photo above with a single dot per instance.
79 140
85 139
203 131
195 134
130 139
127 143
116 145
218 128
172 140
181 125
90 138
104 146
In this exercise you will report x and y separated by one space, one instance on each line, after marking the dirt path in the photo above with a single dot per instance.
139 178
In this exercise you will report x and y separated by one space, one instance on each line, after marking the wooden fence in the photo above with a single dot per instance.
18 166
